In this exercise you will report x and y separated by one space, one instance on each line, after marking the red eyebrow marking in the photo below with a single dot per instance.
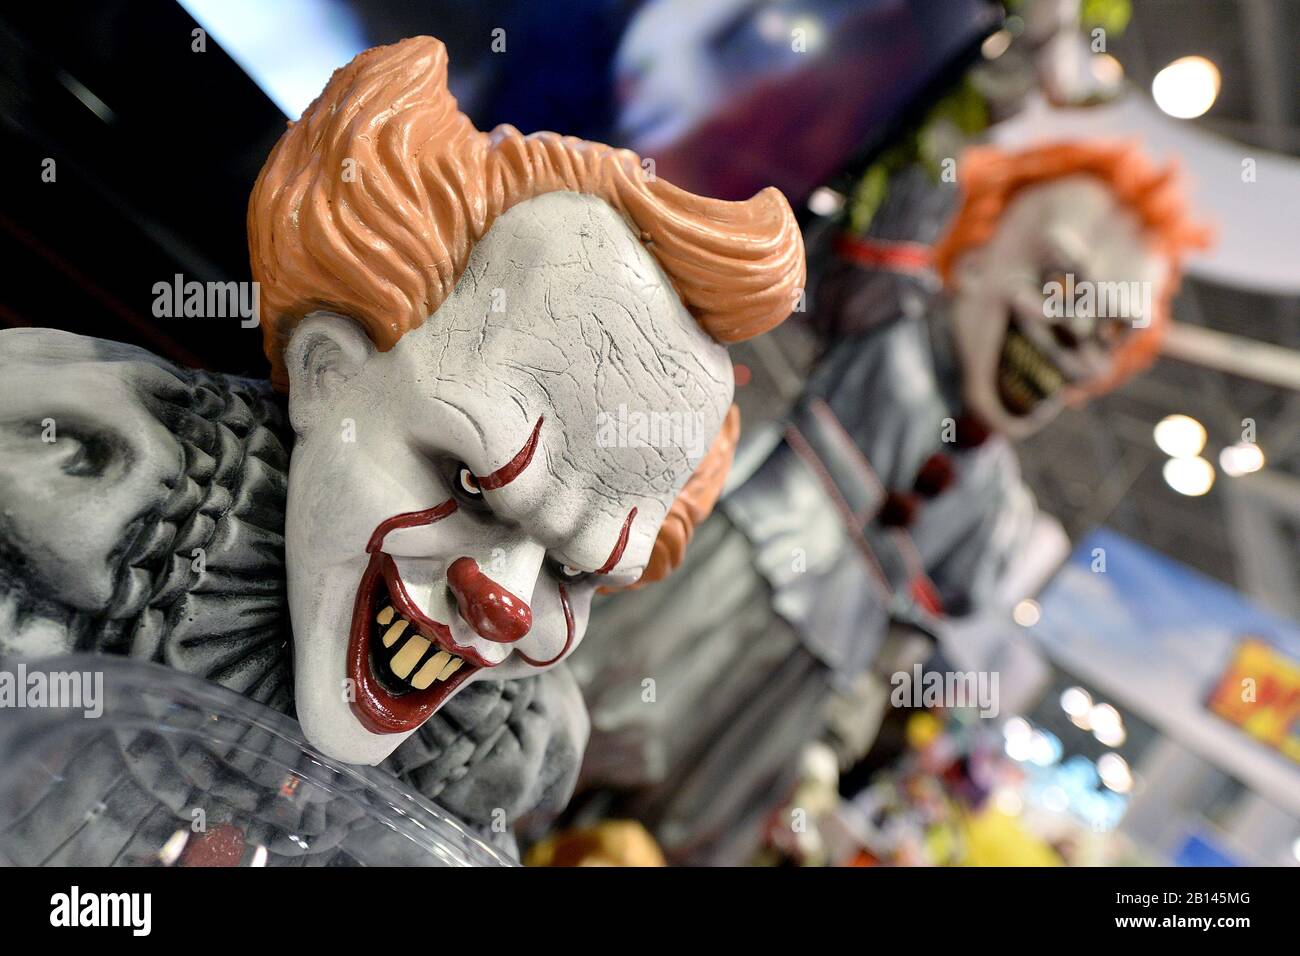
619 547
515 466
409 519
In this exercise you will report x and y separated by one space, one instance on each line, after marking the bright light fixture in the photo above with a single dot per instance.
1180 436
1189 476
1044 748
1115 773
1241 459
1027 613
1076 701
1104 720
1019 748
1110 736
814 32
1018 735
1187 87
324 35
1017 728
825 201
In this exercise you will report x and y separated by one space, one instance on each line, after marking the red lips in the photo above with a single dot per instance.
376 709
492 611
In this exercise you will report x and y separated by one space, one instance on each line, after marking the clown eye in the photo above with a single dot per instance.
1055 279
565 573
466 483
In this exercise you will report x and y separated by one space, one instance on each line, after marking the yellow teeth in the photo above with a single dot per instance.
394 632
438 667
1030 363
431 670
406 659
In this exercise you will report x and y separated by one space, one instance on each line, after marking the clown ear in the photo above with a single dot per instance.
693 502
325 351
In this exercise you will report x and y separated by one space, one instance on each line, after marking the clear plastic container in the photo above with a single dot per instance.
181 771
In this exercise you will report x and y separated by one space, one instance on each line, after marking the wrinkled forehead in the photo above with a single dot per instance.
563 315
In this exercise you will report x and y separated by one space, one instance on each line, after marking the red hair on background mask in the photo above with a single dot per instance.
991 177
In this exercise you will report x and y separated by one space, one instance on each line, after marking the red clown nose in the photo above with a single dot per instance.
491 610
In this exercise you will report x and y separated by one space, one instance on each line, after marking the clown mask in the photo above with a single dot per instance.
1042 310
506 369
455 502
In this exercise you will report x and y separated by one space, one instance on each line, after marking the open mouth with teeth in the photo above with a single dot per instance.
402 664
1026 377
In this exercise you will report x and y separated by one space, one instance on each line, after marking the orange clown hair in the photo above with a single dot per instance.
370 205
991 178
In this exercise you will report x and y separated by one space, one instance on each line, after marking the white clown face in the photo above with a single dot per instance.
1041 309
455 502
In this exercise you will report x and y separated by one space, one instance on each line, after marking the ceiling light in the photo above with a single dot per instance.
1189 476
1105 719
1019 736
1018 748
1187 87
1180 436
1110 735
825 201
1115 773
1017 728
814 33
1241 459
1076 701
1044 748
1027 613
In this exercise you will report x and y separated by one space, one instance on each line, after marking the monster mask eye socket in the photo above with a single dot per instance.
1112 330
88 454
1056 276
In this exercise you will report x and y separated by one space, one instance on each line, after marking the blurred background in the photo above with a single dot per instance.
1116 742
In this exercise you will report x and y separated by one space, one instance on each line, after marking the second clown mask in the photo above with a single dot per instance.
467 323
